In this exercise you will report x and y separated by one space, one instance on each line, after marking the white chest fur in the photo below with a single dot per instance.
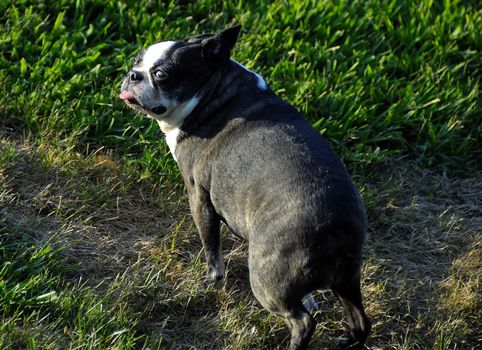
171 137
170 126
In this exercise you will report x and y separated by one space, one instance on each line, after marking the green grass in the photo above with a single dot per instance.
92 258
378 79
97 249
39 308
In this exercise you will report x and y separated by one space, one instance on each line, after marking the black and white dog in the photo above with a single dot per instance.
251 161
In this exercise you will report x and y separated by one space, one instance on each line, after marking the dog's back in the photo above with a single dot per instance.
275 181
249 159
276 166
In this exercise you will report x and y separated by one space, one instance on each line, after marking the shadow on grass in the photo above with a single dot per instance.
422 224
135 243
123 242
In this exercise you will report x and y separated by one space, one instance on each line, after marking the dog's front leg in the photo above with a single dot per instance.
207 222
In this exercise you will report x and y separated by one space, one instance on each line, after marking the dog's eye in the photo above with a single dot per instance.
160 75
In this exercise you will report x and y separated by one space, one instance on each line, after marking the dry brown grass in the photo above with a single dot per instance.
423 226
421 278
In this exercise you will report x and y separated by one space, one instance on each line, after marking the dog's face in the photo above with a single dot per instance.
167 76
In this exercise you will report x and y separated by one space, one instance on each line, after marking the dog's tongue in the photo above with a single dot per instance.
126 95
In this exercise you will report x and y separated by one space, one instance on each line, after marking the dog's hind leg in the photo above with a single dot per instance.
300 324
347 290
285 302
296 317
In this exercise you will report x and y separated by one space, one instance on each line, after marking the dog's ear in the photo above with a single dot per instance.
217 48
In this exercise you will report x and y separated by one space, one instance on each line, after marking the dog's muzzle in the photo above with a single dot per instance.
127 96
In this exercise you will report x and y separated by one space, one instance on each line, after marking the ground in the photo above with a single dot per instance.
97 246
131 246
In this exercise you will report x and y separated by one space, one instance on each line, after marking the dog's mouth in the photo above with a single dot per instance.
129 98
159 110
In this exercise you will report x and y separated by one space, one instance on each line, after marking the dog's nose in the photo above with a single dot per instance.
135 76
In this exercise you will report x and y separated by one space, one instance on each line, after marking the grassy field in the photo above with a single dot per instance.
97 247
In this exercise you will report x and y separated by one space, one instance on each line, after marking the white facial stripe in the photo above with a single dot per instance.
151 81
154 53
259 80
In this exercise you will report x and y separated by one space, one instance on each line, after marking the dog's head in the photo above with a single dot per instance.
166 77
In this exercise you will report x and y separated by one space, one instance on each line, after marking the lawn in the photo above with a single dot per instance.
97 247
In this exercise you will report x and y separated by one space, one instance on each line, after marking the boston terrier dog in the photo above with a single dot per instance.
251 161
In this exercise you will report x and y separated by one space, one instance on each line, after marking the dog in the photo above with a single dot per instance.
252 162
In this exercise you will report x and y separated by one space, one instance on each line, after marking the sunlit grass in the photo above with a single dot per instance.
97 249
378 79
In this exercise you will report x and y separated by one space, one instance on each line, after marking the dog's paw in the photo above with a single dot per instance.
216 278
216 283
215 275
348 343
219 282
